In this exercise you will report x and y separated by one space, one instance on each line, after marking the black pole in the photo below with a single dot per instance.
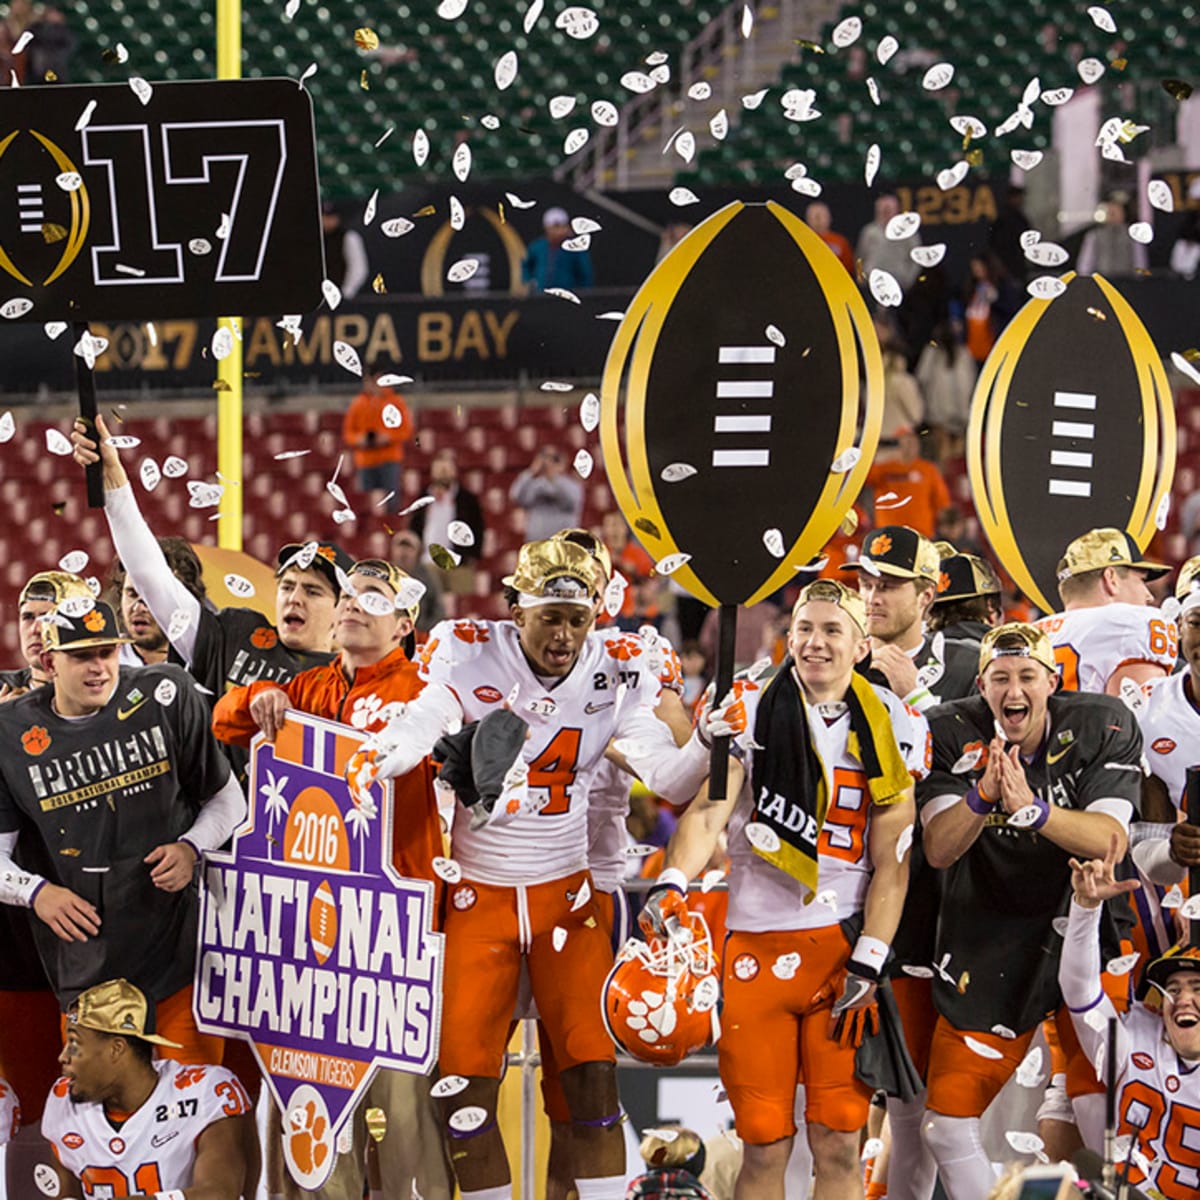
726 643
1191 811
1110 1104
85 380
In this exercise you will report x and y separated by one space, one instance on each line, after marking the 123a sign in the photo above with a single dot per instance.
186 199
311 947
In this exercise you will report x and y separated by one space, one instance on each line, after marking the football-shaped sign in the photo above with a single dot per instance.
763 421
323 922
1072 428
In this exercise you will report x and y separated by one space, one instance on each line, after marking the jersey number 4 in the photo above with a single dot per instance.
554 770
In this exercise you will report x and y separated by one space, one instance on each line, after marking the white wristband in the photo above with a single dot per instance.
871 952
920 698
673 877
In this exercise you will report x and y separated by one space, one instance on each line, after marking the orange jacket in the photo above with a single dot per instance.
361 703
364 416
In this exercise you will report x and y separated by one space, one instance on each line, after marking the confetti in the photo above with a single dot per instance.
886 48
614 594
901 226
928 256
711 879
685 146
55 329
1183 365
718 126
747 20
461 271
1024 1143
1190 908
575 141
204 495
517 202
589 411
174 467
46 1179
347 358
222 343
952 176
1173 898
1026 159
1090 69
762 837
558 938
470 1118
904 843
700 91
150 474
937 77
665 566
141 89
582 897
1004 1032
1158 192
885 288
89 347
682 196
1122 965
309 72
845 461
583 463
460 534
873 91
604 112
871 167
332 293
561 106
69 181
773 540
449 1085
1056 96
847 32
1102 18
506 70
647 527
391 416
239 586
16 307
1177 89
674 472
291 9
638 81
981 1048
578 23
754 99
8 427
917 972
1047 254
1046 287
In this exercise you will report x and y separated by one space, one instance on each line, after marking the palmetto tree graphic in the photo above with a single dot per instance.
276 806
359 819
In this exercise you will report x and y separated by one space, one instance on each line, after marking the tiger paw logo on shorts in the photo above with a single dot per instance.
264 638
464 898
745 967
35 739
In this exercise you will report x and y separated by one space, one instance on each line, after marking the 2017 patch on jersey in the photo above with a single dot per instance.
1072 428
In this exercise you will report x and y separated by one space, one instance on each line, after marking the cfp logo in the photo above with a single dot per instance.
137 178
32 201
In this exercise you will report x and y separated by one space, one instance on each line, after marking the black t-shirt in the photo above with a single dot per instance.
16 679
238 646
90 799
1001 897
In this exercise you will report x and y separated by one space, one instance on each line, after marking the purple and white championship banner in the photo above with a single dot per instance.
311 947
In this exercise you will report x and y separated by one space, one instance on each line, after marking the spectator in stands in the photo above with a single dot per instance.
952 528
905 485
1004 237
452 504
375 428
345 252
820 221
49 54
407 554
20 17
902 402
635 565
989 302
547 264
551 498
946 375
875 250
1185 253
1107 249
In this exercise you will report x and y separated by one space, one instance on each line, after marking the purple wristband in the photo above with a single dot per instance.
33 894
977 804
1043 807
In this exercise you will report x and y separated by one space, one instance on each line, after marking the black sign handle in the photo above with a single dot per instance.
1191 810
718 769
85 380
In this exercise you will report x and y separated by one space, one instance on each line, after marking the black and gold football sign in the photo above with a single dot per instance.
1072 428
186 200
734 402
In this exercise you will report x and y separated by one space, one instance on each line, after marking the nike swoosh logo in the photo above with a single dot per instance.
592 707
123 713
161 1139
1053 758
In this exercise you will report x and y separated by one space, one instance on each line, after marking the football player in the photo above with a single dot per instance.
526 896
1108 631
820 812
1158 1041
363 687
968 601
123 1123
112 789
1021 780
899 574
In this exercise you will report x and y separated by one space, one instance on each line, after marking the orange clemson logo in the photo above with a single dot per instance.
326 552
943 582
264 637
881 545
35 739
425 652
94 621
470 631
188 1077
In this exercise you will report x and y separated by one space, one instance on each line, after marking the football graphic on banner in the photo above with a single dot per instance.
1072 428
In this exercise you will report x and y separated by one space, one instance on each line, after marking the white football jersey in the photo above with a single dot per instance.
1160 1105
1170 732
10 1112
154 1150
571 721
608 833
764 898
1090 644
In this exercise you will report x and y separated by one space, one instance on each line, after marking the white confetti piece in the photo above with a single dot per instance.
937 77
69 181
953 176
1059 925
506 70
451 10
55 329
968 126
56 443
1004 1032
74 562
1102 18
8 428
150 474
711 879
583 463
222 343
331 292
563 293
462 270
141 89
754 99
917 972
718 125
638 81
873 91
204 495
347 358
1025 818
589 411
532 13
747 20
981 1048
871 165
85 117
904 844
700 91
449 1085
239 586
928 256
490 121
561 106
77 606
682 196
685 146
885 288
460 164
1046 287
199 247
665 566
46 1179
460 534
872 1148
458 214
1090 69
309 72
762 837
1190 908
1023 1142
578 23
614 594
773 540
605 112
1158 192
582 897
420 149
173 467
291 9
901 226
18 306
558 938
886 49
467 1119
1047 254
845 461
1056 96
585 225
1142 231
1026 159
1173 897
847 32
806 186
517 202
576 140
674 472
371 208
1122 965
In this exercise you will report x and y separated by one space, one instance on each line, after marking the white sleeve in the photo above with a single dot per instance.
16 886
220 815
671 771
357 267
1079 978
146 565
410 736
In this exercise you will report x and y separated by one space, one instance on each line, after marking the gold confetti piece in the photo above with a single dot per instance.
51 76
500 210
975 157
377 1123
849 525
1192 355
806 45
59 508
109 56
1119 64
366 39
964 981
53 233
364 82
1177 89
427 211
378 285
221 385
648 527
966 140
116 416
1095 312
443 559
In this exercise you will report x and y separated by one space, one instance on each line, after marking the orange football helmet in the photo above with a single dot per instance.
660 998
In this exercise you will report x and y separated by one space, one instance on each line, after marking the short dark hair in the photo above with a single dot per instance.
973 608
